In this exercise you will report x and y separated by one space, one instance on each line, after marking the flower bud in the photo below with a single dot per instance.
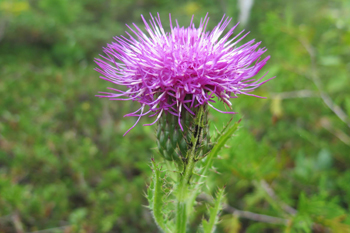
174 143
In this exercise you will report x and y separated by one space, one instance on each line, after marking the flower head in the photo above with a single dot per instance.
172 72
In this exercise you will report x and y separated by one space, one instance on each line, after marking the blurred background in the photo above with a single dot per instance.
65 166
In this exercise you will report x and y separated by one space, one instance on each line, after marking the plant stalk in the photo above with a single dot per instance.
184 181
181 208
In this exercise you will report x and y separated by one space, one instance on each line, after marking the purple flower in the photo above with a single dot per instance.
172 72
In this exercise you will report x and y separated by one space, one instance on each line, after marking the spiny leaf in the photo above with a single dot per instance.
225 134
209 226
156 195
223 129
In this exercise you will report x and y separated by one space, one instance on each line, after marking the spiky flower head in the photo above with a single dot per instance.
176 71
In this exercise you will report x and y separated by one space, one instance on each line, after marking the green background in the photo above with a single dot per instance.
65 166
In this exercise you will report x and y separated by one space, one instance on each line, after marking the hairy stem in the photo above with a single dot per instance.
181 209
184 180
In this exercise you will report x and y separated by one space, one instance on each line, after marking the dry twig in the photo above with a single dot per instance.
247 214
51 230
255 216
316 80
273 195
17 223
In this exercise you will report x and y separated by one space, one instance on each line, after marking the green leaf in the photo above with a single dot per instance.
220 141
230 223
330 60
226 133
339 84
78 215
324 160
155 196
209 226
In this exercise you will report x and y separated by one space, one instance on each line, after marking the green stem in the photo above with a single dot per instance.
184 181
181 208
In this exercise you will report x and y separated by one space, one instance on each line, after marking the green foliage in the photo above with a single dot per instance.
210 226
64 162
156 197
186 186
207 163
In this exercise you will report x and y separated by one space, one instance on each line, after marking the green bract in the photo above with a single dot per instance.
174 143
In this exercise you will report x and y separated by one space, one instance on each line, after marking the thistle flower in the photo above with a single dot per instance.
176 71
